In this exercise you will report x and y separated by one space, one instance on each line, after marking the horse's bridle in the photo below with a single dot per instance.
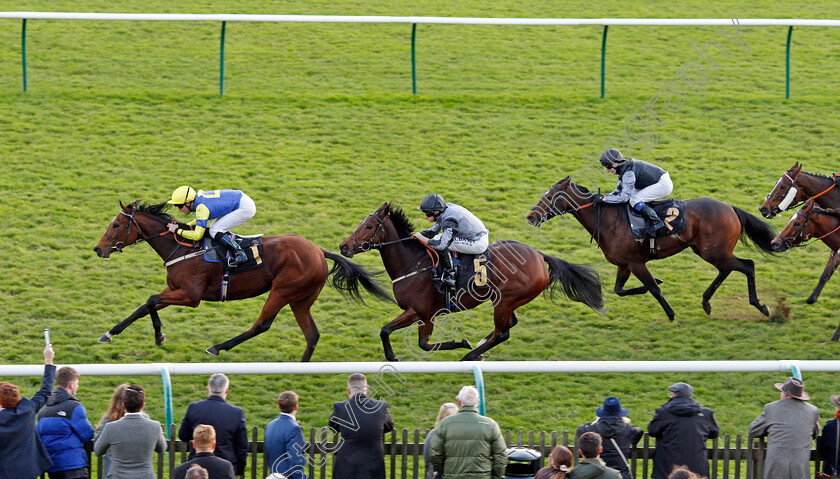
553 206
371 244
118 246
787 198
789 241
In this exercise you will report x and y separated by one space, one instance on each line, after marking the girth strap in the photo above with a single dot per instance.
182 258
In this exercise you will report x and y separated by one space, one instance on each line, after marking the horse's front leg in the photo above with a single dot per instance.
151 306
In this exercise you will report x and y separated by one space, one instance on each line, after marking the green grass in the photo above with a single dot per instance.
319 126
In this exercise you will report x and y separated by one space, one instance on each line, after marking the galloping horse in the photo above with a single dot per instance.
522 279
712 230
794 188
811 222
293 271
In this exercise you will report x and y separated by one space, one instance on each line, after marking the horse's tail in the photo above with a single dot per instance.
752 227
345 276
580 283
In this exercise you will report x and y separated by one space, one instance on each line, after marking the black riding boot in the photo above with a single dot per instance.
239 255
646 210
448 276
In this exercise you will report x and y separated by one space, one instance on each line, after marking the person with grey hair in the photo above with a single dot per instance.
681 427
362 422
227 420
467 444
790 424
197 472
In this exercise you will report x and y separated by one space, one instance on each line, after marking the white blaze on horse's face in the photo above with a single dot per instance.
791 194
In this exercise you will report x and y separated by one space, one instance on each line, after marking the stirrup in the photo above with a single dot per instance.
238 258
658 225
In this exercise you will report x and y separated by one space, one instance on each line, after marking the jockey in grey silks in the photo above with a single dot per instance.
639 182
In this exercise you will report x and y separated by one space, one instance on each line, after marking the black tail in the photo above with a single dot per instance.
757 230
580 283
345 276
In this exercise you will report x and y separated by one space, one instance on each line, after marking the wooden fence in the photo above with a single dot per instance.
730 456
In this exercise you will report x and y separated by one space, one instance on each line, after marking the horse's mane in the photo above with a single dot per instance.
401 222
158 210
580 189
831 212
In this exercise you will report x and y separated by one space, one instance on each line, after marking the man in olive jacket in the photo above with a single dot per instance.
468 445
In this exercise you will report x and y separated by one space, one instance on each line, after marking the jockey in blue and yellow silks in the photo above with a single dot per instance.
229 209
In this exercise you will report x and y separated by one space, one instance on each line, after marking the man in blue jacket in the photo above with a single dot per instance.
285 448
22 455
64 428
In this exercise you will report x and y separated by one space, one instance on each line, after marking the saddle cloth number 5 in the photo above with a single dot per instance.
480 277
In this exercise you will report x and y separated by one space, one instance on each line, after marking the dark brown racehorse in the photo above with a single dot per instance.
712 230
794 188
519 274
293 272
810 222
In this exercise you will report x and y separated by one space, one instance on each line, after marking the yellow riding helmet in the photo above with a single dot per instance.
182 195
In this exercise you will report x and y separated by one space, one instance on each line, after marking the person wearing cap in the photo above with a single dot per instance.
790 425
681 427
617 435
455 228
639 183
828 444
229 209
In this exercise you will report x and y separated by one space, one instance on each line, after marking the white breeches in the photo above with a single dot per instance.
470 247
247 209
656 191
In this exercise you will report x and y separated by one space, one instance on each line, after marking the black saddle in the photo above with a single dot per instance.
669 210
252 245
472 275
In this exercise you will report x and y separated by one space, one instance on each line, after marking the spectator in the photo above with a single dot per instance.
198 472
789 424
617 435
227 419
680 472
559 464
204 441
468 445
22 455
115 411
828 444
132 440
362 423
446 410
592 466
285 447
64 428
681 427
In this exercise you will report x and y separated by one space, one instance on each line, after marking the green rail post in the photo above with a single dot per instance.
479 384
413 60
23 51
603 58
787 64
794 369
167 396
222 62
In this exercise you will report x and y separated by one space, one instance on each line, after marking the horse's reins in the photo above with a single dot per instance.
369 245
788 241
114 243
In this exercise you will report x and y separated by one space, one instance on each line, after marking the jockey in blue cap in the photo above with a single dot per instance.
639 182
229 209
455 228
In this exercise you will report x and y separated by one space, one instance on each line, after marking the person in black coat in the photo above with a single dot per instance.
227 420
681 427
204 441
23 455
362 423
829 441
612 425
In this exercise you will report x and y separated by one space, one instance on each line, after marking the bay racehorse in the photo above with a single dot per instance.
293 272
519 274
811 222
712 230
796 187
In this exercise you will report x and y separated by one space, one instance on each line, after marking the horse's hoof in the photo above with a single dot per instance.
671 318
212 350
658 281
707 308
160 340
105 338
810 300
481 343
465 343
764 310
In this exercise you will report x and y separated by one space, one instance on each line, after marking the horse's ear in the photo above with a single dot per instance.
122 206
386 208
